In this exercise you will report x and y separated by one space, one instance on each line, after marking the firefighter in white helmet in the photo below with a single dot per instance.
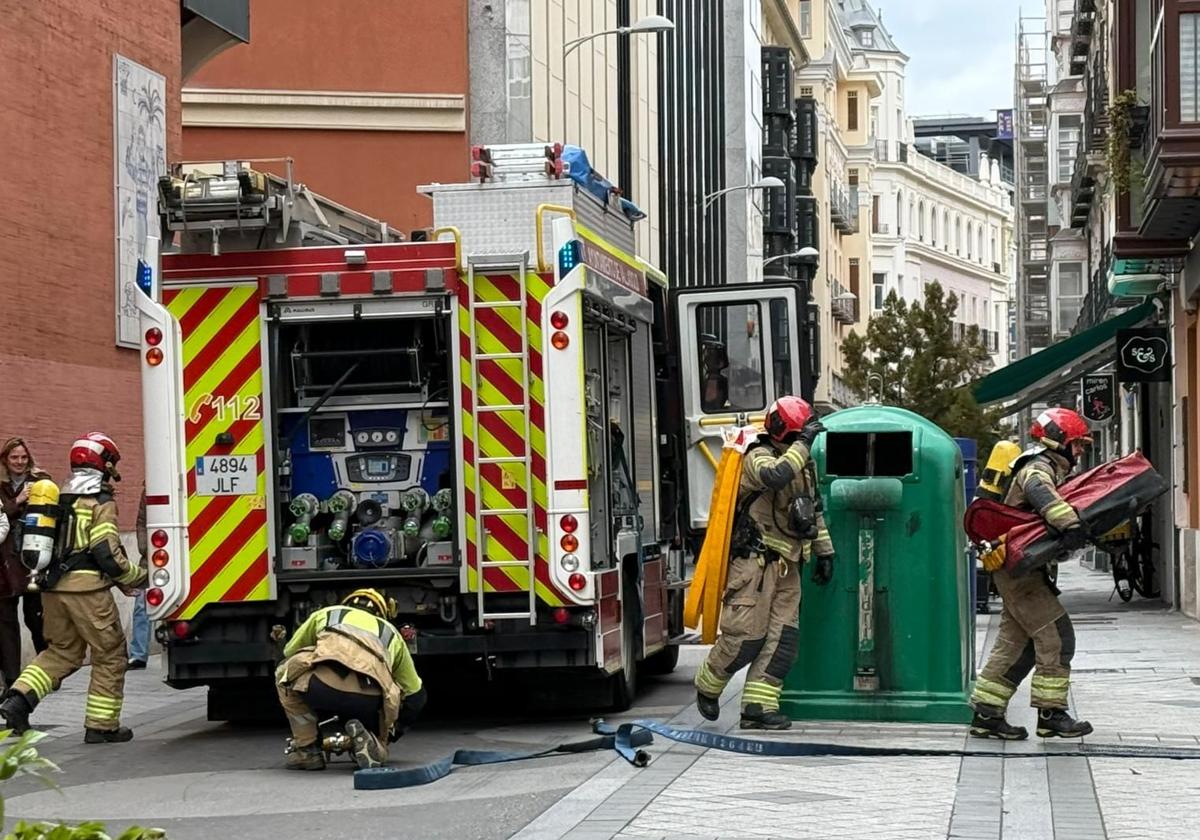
80 613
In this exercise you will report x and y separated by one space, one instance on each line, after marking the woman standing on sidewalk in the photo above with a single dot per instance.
18 471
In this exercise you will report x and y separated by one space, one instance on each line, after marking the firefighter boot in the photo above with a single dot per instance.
1056 723
16 708
753 717
308 757
365 747
107 736
995 726
710 707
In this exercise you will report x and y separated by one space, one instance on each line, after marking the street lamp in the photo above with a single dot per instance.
646 26
768 183
807 251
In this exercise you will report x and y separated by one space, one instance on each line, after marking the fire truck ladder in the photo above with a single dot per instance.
517 266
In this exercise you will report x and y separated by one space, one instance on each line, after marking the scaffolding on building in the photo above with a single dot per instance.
1031 129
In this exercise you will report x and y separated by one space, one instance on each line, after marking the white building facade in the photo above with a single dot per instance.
930 223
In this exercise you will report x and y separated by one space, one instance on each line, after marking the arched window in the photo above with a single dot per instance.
979 242
899 213
958 234
970 239
921 221
913 222
945 230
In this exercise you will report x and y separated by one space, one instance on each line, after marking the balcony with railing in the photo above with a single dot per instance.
1171 145
844 306
843 207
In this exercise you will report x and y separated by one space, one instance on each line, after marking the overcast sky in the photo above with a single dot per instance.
961 53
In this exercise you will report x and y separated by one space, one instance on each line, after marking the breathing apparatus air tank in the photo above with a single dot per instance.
304 507
41 525
415 502
341 504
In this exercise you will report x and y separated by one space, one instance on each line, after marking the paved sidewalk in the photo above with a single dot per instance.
1137 679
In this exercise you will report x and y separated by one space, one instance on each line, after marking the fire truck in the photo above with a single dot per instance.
509 423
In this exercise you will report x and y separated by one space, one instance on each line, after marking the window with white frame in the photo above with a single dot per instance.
805 18
1069 296
878 291
1189 67
866 37
1070 127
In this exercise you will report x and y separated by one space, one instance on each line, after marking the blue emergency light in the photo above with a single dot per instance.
568 257
145 278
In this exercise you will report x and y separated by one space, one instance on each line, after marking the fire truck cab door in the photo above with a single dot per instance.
739 349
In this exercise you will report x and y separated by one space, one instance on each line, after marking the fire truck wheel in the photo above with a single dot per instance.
624 683
663 662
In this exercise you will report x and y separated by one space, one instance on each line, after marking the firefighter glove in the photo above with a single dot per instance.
993 558
823 570
810 431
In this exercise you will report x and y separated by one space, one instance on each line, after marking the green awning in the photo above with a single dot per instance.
1026 380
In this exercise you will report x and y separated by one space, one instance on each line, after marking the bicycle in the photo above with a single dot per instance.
1132 547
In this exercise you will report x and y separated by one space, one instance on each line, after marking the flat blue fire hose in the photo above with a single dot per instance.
627 739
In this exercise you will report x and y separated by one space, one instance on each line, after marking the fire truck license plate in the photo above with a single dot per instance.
226 475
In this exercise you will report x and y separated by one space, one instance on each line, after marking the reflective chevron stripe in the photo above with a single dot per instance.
223 392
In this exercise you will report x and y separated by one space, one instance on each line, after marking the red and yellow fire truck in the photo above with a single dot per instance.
508 423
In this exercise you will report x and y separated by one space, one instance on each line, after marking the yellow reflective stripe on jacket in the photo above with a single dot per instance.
83 527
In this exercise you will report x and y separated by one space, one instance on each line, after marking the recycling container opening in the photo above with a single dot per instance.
869 453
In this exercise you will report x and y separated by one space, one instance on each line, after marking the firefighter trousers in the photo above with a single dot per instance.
319 700
1035 634
759 627
75 623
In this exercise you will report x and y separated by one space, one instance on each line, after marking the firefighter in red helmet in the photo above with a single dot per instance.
80 613
778 525
1035 631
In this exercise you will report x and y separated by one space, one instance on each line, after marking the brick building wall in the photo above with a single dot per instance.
306 84
60 373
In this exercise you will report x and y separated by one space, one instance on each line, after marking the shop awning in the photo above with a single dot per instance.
1027 380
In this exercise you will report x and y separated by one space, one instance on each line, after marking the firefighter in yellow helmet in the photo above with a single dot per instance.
349 662
80 613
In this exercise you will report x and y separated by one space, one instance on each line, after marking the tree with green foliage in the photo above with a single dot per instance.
911 357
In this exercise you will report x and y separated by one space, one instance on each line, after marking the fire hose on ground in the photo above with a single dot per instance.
628 739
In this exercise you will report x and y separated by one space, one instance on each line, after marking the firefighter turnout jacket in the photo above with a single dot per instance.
96 559
777 475
1035 487
355 640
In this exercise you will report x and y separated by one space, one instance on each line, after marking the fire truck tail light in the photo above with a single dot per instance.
181 629
561 615
559 320
568 523
154 357
577 582
154 336
161 577
569 542
569 562
154 597
560 340
159 538
160 558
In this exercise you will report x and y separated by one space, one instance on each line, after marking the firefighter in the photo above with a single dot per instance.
1035 631
80 613
778 525
348 662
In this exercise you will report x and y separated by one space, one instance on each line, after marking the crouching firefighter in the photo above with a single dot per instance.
1035 631
348 662
80 613
778 524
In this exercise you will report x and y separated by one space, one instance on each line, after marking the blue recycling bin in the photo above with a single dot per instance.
970 453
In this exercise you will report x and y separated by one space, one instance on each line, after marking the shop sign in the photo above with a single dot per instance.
1144 355
1099 393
